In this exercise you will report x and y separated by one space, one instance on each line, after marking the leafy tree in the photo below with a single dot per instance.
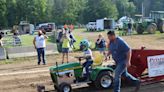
71 11
97 9
3 9
25 9
67 11
11 12
40 10
125 7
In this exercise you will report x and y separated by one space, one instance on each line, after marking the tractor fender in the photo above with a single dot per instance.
96 71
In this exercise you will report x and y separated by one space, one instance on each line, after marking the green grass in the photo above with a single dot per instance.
27 40
77 43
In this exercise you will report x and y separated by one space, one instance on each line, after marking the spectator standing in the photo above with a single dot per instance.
101 44
40 45
130 27
65 46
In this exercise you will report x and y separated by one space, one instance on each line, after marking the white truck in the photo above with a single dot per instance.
91 26
102 24
48 27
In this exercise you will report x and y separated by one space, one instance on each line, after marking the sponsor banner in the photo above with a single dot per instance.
155 65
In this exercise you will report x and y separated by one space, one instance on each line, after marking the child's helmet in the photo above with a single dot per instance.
84 44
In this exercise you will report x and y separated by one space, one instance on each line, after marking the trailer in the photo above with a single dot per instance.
103 24
25 28
148 65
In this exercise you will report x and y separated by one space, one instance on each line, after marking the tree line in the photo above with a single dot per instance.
71 11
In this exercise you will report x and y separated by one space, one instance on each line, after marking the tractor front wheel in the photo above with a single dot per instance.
104 80
65 87
152 28
161 27
140 29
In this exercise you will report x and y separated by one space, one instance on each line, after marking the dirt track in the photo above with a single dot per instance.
24 76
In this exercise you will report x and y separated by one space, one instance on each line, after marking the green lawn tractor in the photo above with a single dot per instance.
68 74
152 23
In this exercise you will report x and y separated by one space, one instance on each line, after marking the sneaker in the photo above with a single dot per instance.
137 87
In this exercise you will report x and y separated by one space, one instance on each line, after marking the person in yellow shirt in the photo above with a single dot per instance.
65 46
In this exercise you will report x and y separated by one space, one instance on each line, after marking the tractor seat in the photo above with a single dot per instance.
98 59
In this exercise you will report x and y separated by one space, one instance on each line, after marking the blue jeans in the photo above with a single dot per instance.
86 65
41 52
121 70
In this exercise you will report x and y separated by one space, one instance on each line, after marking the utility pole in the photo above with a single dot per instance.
142 9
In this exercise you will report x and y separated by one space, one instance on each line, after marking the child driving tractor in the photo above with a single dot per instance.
84 46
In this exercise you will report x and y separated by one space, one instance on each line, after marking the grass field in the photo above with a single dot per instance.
26 40
135 40
150 41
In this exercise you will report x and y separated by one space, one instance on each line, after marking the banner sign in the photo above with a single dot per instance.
155 65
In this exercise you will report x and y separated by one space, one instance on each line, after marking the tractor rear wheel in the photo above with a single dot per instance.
104 80
140 29
152 28
161 27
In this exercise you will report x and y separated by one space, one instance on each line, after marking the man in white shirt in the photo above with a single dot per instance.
40 45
